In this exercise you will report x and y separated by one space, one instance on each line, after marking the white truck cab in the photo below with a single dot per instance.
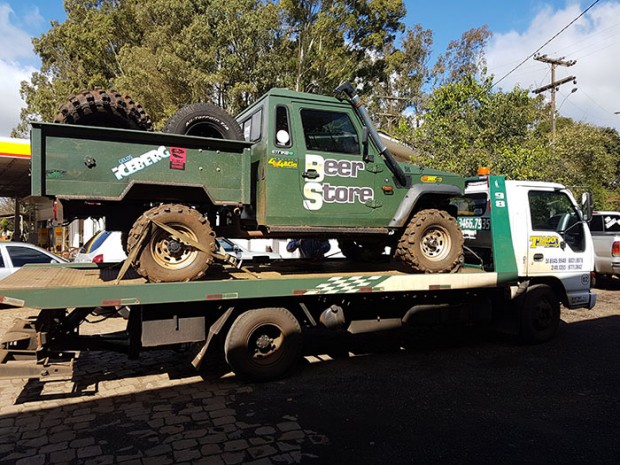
548 241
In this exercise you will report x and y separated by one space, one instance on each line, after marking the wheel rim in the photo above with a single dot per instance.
170 252
265 344
435 244
204 129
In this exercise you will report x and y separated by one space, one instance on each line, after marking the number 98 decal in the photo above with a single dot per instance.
500 201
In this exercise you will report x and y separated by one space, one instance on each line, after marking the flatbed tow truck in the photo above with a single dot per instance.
527 250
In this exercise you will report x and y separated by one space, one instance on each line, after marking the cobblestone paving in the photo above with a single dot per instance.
152 411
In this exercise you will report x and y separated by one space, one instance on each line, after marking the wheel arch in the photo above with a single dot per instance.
419 197
555 284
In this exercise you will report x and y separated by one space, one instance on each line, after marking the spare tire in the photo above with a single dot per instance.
104 108
204 120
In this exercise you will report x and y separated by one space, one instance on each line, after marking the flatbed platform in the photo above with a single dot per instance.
89 285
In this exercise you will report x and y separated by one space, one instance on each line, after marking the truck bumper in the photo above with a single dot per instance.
581 300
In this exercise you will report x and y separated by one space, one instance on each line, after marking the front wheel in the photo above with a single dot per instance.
165 257
263 344
539 310
431 243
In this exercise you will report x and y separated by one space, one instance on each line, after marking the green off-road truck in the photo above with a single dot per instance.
308 166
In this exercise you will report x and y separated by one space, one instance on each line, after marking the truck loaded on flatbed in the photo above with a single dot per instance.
527 250
310 166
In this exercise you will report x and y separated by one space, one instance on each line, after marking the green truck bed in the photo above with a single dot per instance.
105 164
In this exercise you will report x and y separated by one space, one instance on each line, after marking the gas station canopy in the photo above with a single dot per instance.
14 167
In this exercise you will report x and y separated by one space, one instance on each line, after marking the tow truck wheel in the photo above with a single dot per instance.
263 344
540 314
431 243
165 257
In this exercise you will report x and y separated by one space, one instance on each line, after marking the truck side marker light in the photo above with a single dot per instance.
12 301
228 295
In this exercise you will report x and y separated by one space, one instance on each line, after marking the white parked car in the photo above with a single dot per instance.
14 255
244 254
103 247
605 229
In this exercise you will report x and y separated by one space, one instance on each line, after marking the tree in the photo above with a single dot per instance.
166 53
464 57
588 156
333 41
467 125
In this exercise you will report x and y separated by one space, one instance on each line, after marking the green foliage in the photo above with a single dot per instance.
166 53
467 125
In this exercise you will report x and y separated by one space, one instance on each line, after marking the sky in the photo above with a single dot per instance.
519 28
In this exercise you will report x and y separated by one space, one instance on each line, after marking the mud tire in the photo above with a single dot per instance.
104 108
263 344
164 260
431 243
204 120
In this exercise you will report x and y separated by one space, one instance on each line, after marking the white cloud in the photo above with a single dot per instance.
594 41
14 42
15 55
11 74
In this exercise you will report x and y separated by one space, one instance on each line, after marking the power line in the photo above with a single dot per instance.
546 43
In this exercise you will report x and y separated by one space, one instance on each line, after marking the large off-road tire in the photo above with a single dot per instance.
204 120
362 251
263 344
104 108
164 258
431 243
539 310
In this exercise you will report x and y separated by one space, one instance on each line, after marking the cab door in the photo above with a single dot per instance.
335 182
557 241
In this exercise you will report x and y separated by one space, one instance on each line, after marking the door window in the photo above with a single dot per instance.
329 131
553 211
23 255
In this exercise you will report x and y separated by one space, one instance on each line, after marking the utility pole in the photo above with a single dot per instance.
554 86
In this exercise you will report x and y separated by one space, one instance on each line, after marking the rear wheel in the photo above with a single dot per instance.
104 108
263 344
431 243
165 257
204 120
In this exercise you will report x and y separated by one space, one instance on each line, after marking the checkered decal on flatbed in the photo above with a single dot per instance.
347 285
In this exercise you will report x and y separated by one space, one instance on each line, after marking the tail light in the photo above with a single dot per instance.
615 249
98 258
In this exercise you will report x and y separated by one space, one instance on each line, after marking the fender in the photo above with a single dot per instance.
413 195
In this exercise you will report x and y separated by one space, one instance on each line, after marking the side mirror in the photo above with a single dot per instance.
587 206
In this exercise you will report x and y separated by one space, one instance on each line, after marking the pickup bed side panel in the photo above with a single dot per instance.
78 162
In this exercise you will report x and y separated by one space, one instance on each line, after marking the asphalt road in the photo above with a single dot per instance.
464 396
